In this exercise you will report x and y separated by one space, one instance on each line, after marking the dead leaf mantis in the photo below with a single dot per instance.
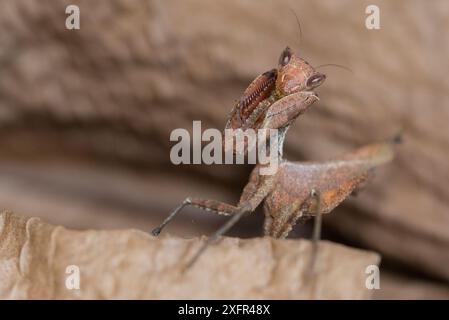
298 190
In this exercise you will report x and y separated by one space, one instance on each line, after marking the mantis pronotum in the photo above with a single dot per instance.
298 190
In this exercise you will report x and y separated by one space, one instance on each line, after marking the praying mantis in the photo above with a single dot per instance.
298 190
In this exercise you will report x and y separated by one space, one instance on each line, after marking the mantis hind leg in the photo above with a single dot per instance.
253 198
208 205
214 206
228 225
316 236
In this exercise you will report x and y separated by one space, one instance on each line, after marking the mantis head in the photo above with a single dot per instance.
296 75
275 98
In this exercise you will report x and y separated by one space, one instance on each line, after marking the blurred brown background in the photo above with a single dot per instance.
85 116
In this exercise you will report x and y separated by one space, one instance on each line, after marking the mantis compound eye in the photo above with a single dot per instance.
315 80
285 57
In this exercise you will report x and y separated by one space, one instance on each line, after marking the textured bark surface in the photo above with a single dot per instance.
112 92
130 264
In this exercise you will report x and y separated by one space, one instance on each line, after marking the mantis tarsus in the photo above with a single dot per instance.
298 190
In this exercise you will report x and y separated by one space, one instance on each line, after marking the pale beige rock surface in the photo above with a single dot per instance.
130 264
